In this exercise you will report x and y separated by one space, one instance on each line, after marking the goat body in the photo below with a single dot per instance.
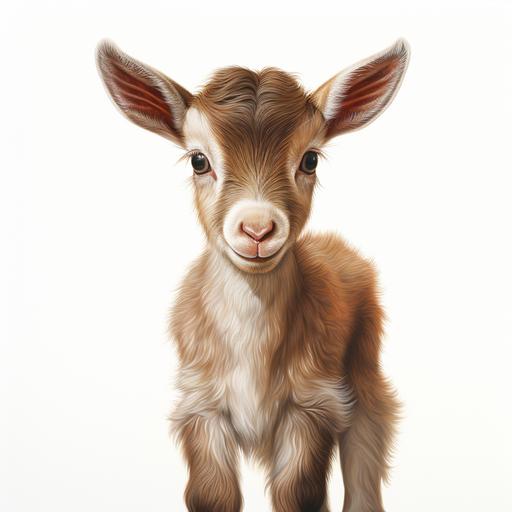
278 332
275 365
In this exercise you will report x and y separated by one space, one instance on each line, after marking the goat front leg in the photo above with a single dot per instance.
211 452
300 459
365 449
366 446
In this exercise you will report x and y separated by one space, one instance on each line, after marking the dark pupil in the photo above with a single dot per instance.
310 161
199 162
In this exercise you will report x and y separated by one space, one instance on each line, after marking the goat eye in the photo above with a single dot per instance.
200 163
309 162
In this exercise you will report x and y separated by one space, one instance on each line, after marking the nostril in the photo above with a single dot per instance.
257 231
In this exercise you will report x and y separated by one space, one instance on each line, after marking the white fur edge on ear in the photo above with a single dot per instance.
335 96
107 49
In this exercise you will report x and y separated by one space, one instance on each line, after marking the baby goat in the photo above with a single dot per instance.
278 332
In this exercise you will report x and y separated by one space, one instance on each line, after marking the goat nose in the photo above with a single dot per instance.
257 230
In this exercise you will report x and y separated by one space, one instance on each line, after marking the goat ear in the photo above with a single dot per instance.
146 96
357 95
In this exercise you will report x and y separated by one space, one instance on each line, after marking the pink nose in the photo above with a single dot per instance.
257 231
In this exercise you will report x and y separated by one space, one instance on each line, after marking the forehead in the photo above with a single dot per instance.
257 114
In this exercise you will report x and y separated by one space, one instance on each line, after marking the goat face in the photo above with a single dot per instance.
253 139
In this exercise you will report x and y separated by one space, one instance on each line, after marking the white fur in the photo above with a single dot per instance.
199 136
241 320
289 453
263 210
221 439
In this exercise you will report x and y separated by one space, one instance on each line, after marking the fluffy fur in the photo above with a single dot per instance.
279 355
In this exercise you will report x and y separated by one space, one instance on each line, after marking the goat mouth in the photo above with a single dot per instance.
256 259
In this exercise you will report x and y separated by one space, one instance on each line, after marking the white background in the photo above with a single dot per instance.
98 227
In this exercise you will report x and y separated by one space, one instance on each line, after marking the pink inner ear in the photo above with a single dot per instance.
366 88
136 95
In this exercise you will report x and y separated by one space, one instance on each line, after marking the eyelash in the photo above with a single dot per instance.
190 153
318 151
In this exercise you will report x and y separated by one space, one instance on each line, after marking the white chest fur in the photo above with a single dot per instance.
241 320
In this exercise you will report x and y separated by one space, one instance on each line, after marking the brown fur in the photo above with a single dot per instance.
309 326
254 116
331 322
